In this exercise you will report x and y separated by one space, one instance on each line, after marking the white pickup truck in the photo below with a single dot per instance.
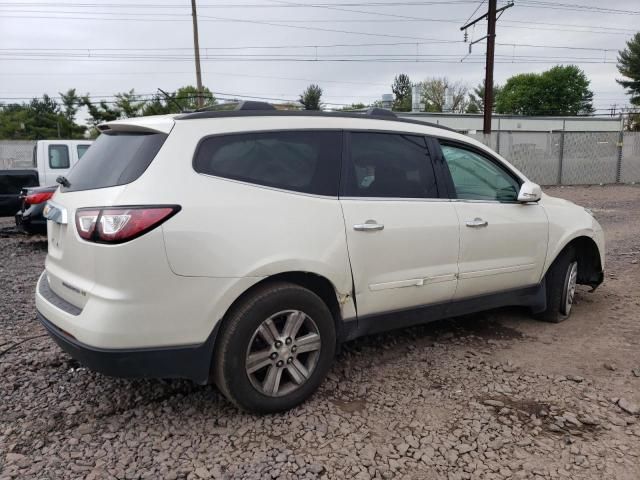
50 159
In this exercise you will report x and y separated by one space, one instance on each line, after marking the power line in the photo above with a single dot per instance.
574 7
237 20
92 50
239 5
475 11
153 17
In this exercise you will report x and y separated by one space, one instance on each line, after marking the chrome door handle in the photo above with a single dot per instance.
368 226
477 223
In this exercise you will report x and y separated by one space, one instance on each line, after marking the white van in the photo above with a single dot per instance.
54 158
50 159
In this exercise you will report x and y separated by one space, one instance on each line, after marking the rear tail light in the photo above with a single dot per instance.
36 198
121 224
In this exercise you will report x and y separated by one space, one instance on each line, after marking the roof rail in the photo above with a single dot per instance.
253 105
387 116
380 112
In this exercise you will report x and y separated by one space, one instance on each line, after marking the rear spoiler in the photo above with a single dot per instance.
153 124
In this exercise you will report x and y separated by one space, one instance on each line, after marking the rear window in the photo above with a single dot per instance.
302 161
115 159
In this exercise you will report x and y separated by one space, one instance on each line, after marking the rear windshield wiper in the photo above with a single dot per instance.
62 180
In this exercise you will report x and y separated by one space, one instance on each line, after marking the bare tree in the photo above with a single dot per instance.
434 94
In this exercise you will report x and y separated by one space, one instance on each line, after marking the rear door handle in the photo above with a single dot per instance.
368 226
477 223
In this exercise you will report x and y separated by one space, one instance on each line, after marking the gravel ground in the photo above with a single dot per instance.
489 396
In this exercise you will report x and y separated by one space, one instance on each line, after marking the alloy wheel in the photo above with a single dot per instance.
283 353
570 283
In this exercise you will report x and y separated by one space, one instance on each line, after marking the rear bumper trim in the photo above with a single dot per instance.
190 361
56 300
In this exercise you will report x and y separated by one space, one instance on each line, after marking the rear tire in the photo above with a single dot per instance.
274 349
561 280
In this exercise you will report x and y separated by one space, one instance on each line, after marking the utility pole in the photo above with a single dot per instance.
492 18
488 74
196 47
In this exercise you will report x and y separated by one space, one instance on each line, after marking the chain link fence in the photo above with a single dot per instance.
16 154
570 158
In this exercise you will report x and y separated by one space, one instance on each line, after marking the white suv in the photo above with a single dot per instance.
242 246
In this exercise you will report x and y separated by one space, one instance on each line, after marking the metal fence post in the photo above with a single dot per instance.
620 143
498 138
561 153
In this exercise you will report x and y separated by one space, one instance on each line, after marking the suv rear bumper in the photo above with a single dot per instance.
191 361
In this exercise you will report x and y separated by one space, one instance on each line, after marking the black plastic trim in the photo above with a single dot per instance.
303 113
190 361
56 300
532 296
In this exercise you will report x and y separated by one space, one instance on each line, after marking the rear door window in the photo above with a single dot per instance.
115 158
58 156
302 161
390 165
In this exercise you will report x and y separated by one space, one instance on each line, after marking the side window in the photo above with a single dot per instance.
475 177
302 161
389 165
82 150
58 156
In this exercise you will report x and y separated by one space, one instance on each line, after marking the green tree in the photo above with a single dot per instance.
185 98
310 98
352 107
161 105
13 122
44 118
476 98
401 88
561 90
40 119
128 104
99 112
632 122
188 97
70 105
435 91
629 68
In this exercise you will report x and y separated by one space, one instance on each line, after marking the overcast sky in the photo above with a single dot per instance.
49 47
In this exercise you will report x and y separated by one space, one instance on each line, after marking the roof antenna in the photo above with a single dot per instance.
169 98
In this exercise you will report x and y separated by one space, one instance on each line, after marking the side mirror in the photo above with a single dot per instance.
529 192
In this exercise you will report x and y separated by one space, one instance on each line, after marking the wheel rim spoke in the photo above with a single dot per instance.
269 331
271 382
293 324
308 343
258 360
298 372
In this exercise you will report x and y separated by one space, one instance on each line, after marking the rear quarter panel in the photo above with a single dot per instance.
231 229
